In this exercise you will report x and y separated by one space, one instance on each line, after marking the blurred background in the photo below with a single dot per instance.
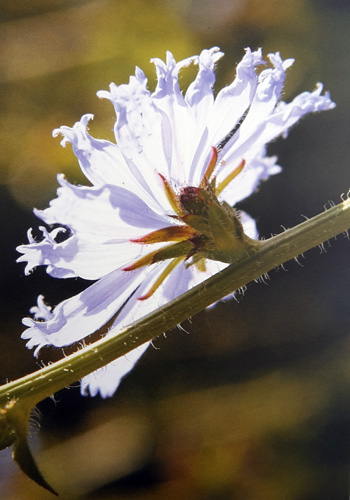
251 401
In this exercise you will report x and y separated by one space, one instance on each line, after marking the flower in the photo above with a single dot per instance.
149 227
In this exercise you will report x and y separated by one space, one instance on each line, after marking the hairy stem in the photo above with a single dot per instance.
258 260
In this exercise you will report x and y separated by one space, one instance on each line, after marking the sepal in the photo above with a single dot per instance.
14 419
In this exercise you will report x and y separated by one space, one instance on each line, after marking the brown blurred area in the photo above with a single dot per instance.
251 400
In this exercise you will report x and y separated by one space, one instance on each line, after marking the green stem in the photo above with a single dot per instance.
259 260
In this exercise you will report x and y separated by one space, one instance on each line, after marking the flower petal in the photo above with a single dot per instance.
164 141
102 213
101 161
79 316
287 114
101 221
140 134
266 120
199 95
105 381
249 225
230 105
232 101
178 118
255 171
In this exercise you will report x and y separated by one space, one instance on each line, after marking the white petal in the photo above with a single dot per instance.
232 101
286 115
229 106
101 161
76 257
178 118
41 311
79 316
48 253
100 213
249 225
199 94
255 171
141 135
262 106
105 381
101 222
265 121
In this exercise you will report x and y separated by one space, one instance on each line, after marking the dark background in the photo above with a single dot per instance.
252 400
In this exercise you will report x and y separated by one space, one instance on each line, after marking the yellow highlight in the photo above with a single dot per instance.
170 194
170 233
210 167
170 267
230 177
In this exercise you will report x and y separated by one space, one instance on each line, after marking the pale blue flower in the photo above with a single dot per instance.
164 141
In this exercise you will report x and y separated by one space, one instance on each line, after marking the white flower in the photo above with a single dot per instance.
173 152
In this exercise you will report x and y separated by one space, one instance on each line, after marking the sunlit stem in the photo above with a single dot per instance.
262 258
230 177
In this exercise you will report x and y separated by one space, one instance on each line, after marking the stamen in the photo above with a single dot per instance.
230 177
161 278
170 194
210 167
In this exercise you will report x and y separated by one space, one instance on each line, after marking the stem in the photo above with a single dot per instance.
261 258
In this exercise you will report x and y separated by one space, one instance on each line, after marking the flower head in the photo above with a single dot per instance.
157 217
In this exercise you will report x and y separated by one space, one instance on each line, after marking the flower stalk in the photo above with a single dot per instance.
257 261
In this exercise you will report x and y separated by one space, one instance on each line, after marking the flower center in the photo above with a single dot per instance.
205 228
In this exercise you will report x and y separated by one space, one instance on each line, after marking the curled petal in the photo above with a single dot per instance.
262 106
41 311
47 253
199 95
168 76
257 130
271 82
101 161
102 213
179 123
76 318
230 105
102 222
233 100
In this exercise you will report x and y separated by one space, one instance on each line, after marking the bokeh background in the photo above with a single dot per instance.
251 399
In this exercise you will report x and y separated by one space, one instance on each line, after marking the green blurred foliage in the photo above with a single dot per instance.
254 403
